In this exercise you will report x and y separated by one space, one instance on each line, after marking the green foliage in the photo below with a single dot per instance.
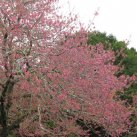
108 41
96 37
130 62
129 93
51 124
72 135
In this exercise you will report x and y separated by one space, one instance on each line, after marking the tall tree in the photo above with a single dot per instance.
88 76
27 28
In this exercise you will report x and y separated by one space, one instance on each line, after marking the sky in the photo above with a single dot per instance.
117 17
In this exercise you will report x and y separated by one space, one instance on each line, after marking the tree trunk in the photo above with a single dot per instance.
3 120
8 88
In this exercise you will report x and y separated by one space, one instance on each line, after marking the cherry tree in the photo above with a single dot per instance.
86 81
75 85
27 28
79 83
50 78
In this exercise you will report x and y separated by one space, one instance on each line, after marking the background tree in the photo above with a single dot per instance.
120 47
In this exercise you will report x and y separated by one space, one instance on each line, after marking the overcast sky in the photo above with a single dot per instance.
117 17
